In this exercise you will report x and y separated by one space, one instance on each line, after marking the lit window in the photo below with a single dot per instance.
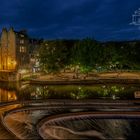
22 49
22 35
22 41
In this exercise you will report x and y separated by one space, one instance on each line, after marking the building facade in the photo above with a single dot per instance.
14 50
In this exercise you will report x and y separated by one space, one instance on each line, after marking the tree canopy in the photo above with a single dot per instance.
89 54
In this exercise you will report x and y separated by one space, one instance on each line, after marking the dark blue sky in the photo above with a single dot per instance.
50 19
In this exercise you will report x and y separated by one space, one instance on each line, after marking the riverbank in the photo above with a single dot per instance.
84 82
99 78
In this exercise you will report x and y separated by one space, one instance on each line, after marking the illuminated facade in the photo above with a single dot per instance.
14 52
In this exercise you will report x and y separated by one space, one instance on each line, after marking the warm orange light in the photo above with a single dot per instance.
12 96
14 62
8 64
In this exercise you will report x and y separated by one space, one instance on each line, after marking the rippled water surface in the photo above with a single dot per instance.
20 91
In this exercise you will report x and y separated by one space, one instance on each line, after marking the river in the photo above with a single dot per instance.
101 111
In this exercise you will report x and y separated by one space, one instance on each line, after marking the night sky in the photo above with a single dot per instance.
54 19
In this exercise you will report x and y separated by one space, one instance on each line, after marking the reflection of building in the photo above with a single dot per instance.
14 51
6 95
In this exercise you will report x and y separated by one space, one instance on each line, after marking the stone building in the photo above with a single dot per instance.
14 50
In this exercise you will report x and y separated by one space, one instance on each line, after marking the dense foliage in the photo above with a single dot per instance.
89 54
54 55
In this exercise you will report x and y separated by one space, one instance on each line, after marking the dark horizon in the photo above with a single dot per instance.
86 37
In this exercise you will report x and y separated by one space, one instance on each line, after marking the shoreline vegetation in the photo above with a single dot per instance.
88 55
80 60
88 61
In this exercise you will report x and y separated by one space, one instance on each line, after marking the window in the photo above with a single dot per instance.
22 41
22 49
22 35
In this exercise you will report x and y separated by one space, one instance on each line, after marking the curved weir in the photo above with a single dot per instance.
36 120
69 112
83 125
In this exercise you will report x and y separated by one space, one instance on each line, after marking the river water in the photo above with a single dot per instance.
20 91
72 111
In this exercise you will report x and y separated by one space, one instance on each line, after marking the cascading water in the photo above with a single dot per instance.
47 115
83 126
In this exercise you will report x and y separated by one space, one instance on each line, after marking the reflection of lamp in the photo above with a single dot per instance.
12 96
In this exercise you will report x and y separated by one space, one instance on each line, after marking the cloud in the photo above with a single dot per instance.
104 19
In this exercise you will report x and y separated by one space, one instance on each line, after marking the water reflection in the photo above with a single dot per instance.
24 123
82 92
6 95
21 91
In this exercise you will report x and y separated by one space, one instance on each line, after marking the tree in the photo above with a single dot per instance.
53 56
85 55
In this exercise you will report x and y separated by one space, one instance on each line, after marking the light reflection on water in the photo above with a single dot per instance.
24 123
6 95
19 91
